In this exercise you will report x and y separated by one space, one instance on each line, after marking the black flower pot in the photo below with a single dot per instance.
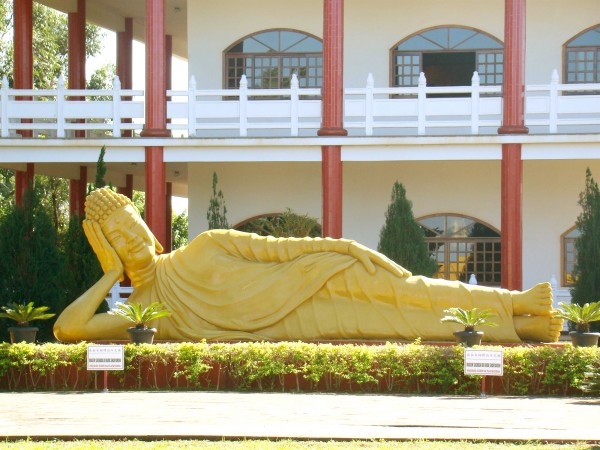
141 335
23 334
584 339
468 338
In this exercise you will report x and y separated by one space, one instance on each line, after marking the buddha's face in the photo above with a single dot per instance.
130 237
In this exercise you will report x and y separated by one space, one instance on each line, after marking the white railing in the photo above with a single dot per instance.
419 110
117 294
202 112
55 112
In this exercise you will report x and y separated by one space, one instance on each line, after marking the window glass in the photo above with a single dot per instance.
582 58
407 57
569 256
463 246
269 59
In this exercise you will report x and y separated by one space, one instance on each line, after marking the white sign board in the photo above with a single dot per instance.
106 357
484 362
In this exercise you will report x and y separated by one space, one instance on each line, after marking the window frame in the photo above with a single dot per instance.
594 48
226 55
563 256
393 52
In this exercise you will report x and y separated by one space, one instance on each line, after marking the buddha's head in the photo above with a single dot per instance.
123 227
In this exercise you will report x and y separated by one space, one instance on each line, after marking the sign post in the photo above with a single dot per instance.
485 363
106 357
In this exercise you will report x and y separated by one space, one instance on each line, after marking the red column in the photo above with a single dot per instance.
156 73
513 123
78 192
169 64
124 62
169 221
333 115
23 76
156 117
156 207
127 190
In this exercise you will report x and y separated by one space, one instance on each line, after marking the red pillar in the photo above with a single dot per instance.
127 190
512 165
333 115
156 117
124 62
155 213
78 192
169 221
23 76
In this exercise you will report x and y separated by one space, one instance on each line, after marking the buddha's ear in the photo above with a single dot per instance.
159 248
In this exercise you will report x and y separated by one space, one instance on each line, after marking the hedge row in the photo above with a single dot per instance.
297 366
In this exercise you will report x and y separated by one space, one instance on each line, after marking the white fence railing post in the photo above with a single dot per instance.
192 107
4 94
60 107
553 113
116 103
243 106
421 99
295 103
475 85
369 105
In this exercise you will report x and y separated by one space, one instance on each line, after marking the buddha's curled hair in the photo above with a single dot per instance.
101 203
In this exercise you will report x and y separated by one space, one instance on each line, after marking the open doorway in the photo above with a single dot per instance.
449 69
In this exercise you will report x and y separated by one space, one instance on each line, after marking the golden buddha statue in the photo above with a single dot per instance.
231 285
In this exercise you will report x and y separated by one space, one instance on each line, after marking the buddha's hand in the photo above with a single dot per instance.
109 260
369 259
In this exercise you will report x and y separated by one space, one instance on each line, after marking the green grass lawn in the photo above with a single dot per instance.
286 445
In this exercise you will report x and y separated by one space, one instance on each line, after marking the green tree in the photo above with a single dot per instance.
401 238
287 224
179 224
217 212
31 264
586 288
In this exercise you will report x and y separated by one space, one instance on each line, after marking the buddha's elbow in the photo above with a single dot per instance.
64 333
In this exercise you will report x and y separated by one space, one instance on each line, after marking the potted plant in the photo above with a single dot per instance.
581 316
134 312
469 318
23 314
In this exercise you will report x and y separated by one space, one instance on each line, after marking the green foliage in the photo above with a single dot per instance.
140 316
587 245
401 238
469 318
100 182
54 198
50 44
81 266
179 227
580 315
31 264
300 366
287 224
217 212
25 313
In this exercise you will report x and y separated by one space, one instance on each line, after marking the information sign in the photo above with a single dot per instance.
484 362
106 357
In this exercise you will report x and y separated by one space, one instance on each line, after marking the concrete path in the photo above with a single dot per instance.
149 415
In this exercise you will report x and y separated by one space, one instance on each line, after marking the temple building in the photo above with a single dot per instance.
488 112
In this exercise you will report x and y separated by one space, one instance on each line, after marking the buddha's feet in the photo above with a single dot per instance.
536 301
538 328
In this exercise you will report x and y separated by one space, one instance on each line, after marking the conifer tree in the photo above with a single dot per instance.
401 238
586 288
31 264
217 212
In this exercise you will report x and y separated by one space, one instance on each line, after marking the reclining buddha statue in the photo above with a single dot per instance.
229 285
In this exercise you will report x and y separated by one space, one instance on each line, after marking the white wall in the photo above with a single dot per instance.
372 28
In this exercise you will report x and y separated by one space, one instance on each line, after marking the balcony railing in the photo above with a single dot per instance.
369 111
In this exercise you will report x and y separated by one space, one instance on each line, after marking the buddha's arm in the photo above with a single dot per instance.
79 320
270 249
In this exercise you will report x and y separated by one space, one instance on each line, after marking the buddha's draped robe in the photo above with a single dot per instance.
233 285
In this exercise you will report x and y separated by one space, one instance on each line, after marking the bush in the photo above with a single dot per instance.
301 366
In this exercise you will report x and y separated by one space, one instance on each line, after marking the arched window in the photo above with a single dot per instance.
582 57
463 246
569 255
448 56
269 58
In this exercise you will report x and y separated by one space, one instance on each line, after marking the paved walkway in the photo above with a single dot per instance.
212 415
